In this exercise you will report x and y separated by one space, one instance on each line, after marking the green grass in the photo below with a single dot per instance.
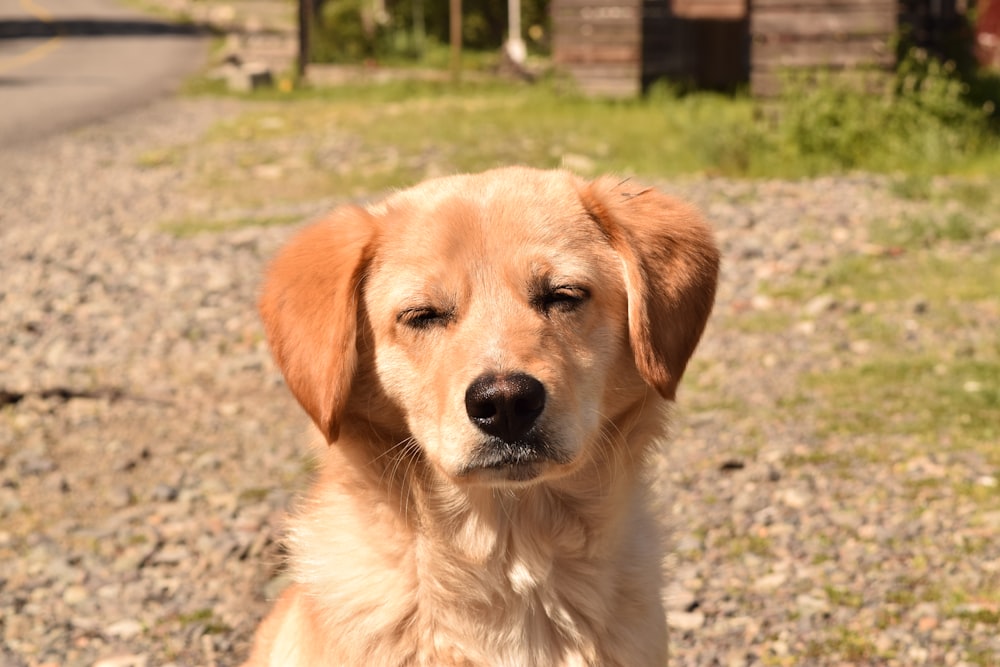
846 643
360 139
194 226
922 231
968 274
396 134
207 619
898 395
915 365
942 393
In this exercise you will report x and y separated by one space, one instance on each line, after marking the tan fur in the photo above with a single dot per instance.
409 550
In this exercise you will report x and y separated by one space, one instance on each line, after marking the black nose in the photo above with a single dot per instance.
505 406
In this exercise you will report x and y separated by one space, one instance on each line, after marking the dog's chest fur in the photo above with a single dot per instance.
499 580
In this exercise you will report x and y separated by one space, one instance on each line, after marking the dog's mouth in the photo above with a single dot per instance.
523 460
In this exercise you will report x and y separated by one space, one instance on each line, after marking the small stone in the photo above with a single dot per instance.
989 481
809 604
74 595
208 461
927 623
860 347
120 496
164 493
678 597
171 555
686 620
124 629
820 304
123 661
86 624
730 465
770 582
806 328
794 498
36 464
229 409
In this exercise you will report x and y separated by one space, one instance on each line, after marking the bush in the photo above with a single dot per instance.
352 30
923 113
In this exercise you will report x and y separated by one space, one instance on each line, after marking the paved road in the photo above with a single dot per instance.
64 63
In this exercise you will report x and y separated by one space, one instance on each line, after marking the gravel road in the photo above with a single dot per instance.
148 448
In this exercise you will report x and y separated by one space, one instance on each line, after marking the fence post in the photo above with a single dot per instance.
455 25
305 17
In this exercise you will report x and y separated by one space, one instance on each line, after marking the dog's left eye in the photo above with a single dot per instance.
423 317
562 299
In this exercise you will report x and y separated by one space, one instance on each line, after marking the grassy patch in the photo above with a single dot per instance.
253 495
194 226
763 322
357 140
736 546
911 396
847 644
158 157
969 275
368 138
940 392
918 353
205 618
843 597
912 232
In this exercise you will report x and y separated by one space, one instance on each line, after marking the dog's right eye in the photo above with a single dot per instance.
423 317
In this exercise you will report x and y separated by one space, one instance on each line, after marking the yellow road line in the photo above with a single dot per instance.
38 52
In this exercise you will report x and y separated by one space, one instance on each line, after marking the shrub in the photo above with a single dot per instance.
921 114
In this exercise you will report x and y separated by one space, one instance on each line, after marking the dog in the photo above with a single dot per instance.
487 358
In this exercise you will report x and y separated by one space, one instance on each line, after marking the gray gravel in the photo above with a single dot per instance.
148 449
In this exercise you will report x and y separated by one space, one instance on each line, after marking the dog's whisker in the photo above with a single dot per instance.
399 483
404 443
412 451
610 449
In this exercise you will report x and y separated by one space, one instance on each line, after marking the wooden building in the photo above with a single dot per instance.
618 47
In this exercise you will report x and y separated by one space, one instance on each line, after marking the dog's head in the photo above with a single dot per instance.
500 321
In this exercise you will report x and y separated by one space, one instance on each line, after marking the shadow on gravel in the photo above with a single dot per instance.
83 27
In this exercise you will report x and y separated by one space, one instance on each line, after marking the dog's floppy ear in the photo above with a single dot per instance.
671 268
309 305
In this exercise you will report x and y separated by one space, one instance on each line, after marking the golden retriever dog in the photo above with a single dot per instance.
488 358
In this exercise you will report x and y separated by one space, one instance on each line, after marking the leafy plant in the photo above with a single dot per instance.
394 30
921 115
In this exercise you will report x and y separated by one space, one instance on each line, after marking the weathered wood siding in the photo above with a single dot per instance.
599 44
710 9
617 49
836 34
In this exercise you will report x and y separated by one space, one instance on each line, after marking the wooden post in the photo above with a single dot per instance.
516 49
305 19
455 24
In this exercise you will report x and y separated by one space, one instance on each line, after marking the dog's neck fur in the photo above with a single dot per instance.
512 575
